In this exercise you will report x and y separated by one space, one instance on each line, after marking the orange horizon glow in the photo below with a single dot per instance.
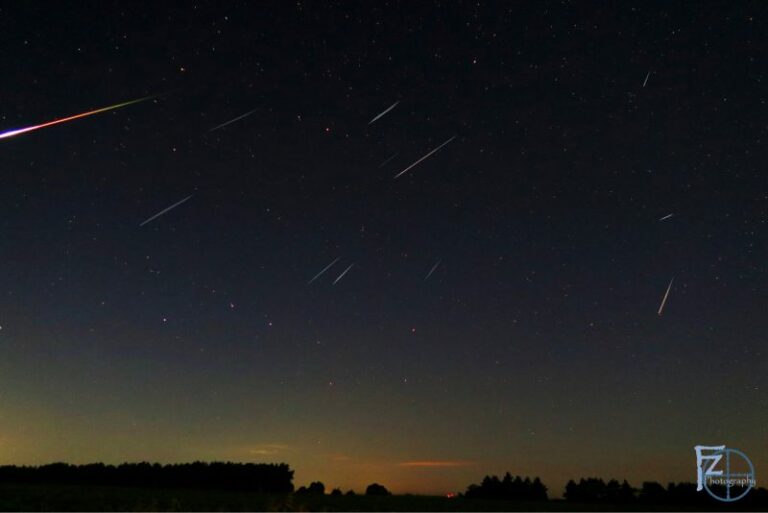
436 463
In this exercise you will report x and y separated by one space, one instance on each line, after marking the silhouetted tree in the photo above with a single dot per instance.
350 493
336 492
626 493
756 498
316 488
571 491
538 492
376 489
590 489
612 489
682 493
653 492
508 488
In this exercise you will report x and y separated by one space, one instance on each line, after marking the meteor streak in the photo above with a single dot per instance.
166 210
321 272
666 294
19 131
434 267
666 217
425 157
382 114
342 274
389 159
238 118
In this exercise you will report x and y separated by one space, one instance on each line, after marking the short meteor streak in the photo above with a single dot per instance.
646 78
238 118
342 274
434 267
382 114
424 157
323 271
19 131
389 159
166 210
666 217
666 294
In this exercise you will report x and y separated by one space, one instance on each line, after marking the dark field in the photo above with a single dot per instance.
103 498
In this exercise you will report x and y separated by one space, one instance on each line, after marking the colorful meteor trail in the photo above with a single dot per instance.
19 131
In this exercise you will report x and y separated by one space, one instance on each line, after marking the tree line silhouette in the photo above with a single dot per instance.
259 477
278 479
508 488
318 488
595 490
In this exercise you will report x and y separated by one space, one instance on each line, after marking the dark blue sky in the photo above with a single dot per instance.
535 346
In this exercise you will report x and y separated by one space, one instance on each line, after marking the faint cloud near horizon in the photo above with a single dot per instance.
268 449
436 463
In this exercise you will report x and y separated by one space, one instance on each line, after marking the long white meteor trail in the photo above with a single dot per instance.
432 270
321 272
342 274
424 157
238 118
166 210
382 114
666 294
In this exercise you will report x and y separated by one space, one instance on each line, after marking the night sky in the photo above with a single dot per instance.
535 345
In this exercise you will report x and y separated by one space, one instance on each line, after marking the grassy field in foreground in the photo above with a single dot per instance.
102 498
